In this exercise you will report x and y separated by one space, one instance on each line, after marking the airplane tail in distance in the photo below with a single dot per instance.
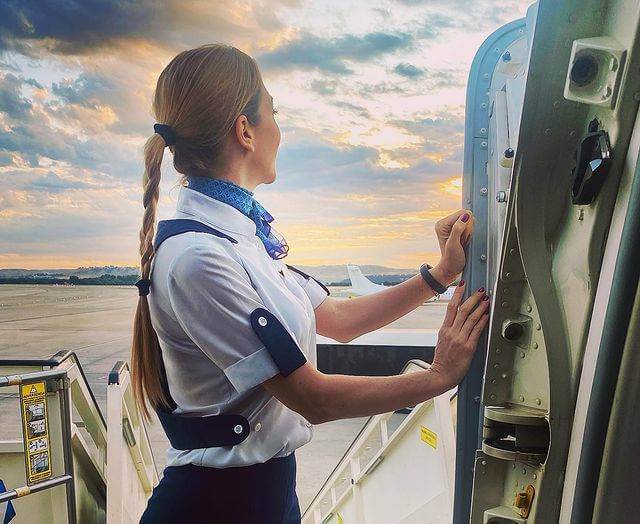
360 284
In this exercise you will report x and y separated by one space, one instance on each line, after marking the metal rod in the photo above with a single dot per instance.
65 415
16 380
28 490
54 360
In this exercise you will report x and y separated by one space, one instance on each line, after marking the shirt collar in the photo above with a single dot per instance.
214 212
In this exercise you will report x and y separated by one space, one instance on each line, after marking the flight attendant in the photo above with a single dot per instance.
224 345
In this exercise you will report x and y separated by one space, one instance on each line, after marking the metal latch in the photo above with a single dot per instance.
524 501
593 161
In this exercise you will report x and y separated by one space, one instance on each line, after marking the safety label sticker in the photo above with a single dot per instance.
35 429
429 437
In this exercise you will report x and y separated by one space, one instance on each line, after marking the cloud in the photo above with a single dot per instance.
441 137
313 163
370 113
88 27
332 55
72 27
82 89
471 15
324 86
53 183
37 131
11 100
408 70
358 110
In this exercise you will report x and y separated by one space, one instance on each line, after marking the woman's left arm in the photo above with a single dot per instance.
346 319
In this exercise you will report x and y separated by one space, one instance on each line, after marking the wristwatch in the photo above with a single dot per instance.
429 279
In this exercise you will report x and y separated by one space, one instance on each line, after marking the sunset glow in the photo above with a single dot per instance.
371 107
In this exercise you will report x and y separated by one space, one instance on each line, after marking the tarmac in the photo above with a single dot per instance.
96 323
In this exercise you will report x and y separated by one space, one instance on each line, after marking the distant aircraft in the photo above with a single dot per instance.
361 285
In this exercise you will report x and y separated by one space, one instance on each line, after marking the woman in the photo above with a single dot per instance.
225 328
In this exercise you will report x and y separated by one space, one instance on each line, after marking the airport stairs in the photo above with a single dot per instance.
62 461
72 465
416 445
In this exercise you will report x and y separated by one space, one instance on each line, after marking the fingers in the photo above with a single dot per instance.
459 227
475 316
452 307
466 308
477 330
468 232
444 224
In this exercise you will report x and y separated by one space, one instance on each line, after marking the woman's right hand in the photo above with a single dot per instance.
459 334
320 397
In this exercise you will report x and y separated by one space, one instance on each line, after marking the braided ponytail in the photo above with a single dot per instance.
146 359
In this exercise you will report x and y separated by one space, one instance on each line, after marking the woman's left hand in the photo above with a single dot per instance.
454 232
445 225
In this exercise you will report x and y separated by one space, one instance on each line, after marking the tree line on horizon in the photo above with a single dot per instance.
102 280
129 280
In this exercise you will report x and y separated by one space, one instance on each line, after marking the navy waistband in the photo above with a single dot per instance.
209 470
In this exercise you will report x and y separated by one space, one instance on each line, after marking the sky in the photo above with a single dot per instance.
370 97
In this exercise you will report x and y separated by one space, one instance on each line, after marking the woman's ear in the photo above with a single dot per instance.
245 134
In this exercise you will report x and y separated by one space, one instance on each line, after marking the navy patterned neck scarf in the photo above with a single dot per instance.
242 199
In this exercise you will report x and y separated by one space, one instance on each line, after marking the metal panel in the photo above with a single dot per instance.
475 193
549 267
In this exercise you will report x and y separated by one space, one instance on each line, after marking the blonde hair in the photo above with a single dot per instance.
200 94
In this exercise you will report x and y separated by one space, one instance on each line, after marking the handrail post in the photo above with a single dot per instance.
65 414
357 496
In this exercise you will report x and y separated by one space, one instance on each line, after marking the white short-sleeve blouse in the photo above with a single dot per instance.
203 291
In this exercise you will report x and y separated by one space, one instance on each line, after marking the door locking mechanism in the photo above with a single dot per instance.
593 161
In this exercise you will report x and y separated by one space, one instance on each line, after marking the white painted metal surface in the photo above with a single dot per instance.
392 476
597 323
131 471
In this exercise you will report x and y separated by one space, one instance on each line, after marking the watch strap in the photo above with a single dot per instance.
430 279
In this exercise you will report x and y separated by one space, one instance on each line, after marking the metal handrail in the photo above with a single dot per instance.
40 486
65 415
55 360
26 378
65 377
356 440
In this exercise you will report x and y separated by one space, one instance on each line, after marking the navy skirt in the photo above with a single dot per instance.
260 493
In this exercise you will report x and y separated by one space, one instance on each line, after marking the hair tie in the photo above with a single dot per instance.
143 286
166 132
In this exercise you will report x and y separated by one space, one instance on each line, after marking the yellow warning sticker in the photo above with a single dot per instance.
429 437
35 431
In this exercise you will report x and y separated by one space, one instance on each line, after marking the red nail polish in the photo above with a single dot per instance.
461 283
481 290
465 217
486 297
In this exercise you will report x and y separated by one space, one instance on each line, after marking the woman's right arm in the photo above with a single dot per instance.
321 398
